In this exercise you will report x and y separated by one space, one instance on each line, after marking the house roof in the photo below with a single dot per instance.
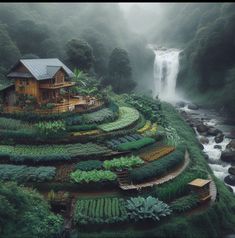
41 68
5 86
199 182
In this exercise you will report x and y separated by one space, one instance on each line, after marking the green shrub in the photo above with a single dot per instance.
21 173
178 186
84 127
135 145
12 124
123 162
158 168
74 120
28 134
89 165
185 203
140 208
80 176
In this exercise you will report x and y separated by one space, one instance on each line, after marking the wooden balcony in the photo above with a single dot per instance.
56 86
72 104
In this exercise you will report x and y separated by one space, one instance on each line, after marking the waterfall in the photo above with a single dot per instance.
166 68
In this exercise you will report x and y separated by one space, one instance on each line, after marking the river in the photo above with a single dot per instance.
166 68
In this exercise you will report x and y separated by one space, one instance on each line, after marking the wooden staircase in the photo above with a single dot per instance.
123 178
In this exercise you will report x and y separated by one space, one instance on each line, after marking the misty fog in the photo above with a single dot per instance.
203 32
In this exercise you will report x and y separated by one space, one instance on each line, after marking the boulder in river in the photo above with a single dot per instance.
202 128
228 156
230 179
231 145
219 138
204 140
193 106
231 135
213 131
231 170
218 147
180 104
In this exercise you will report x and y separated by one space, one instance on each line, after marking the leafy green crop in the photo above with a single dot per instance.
80 176
51 152
127 117
139 208
135 145
123 162
22 173
89 165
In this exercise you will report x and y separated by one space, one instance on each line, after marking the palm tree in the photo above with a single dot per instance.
80 77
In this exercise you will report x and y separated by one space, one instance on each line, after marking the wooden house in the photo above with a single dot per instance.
41 78
201 187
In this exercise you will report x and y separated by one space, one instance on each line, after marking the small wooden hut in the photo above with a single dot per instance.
201 187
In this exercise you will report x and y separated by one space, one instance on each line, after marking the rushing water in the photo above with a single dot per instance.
212 118
166 68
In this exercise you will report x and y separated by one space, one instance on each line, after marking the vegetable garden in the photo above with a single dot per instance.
128 143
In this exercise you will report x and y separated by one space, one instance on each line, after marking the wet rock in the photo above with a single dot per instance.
231 170
231 135
218 147
213 131
200 145
193 106
231 145
219 138
228 156
204 140
230 179
180 104
201 128
206 156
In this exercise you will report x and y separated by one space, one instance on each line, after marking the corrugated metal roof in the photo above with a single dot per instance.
45 68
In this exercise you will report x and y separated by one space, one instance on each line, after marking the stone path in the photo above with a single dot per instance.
161 180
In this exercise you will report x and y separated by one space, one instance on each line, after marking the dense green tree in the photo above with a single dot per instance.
119 72
80 54
9 51
27 29
24 213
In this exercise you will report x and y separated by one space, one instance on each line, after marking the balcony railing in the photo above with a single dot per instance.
57 85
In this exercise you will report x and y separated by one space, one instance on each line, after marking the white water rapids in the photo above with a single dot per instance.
166 68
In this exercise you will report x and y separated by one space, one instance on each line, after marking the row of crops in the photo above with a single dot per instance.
22 173
129 142
127 116
109 210
21 153
103 210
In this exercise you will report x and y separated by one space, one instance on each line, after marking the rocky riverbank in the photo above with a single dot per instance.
215 137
